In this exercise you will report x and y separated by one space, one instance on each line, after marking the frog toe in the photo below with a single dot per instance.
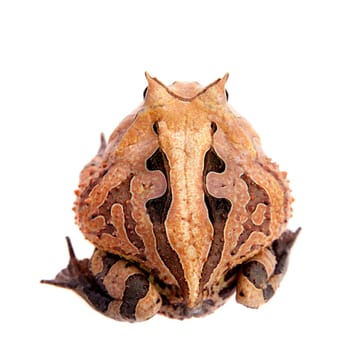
261 275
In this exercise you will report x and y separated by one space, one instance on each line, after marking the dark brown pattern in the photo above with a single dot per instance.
281 248
257 195
136 288
77 277
121 195
157 210
218 210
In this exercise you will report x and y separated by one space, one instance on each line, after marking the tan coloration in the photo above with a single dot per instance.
189 231
185 136
149 305
96 262
132 151
116 277
239 151
258 216
266 258
122 240
159 94
248 294
186 227
275 281
146 308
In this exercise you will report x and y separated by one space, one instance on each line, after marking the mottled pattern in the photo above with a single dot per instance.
121 195
184 209
257 195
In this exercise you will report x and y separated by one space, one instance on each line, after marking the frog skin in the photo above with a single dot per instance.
184 210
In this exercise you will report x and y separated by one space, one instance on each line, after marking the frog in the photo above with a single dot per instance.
183 208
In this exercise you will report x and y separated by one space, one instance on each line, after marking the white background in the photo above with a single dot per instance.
71 69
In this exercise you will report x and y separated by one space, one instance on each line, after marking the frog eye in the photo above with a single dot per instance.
227 95
145 92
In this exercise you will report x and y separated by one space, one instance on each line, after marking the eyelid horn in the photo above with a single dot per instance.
159 93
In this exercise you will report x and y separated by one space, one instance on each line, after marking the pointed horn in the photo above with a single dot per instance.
225 77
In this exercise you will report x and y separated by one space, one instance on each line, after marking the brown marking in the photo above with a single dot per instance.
115 278
257 195
77 277
157 210
185 232
136 288
100 264
218 210
229 284
268 292
121 195
281 178
256 273
258 216
91 175
149 305
281 248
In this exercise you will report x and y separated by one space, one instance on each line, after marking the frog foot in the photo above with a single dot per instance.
110 284
75 274
261 275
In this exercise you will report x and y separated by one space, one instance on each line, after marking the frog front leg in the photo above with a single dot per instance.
261 275
111 285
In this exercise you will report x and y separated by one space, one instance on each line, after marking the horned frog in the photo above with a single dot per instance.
183 208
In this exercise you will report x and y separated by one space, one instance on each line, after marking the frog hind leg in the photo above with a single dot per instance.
261 275
111 285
